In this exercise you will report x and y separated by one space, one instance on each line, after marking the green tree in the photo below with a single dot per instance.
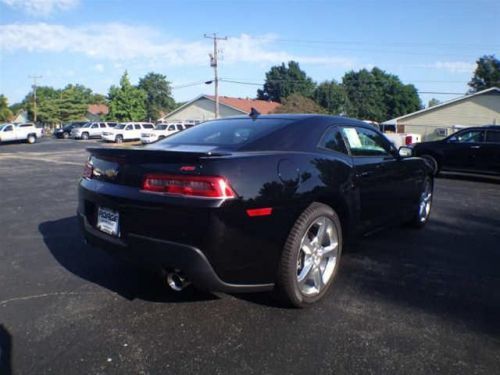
73 102
433 102
5 112
331 96
296 103
126 102
47 105
378 96
282 81
486 75
158 95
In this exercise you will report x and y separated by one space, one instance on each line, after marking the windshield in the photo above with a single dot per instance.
226 133
119 126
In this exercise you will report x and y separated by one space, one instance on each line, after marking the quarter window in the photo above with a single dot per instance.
365 142
493 136
332 140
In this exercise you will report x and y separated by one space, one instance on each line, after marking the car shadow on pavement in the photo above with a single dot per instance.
5 351
64 241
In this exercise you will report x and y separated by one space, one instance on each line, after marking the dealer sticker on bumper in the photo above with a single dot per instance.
108 221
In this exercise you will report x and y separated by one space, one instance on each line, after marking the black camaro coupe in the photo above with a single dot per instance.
251 203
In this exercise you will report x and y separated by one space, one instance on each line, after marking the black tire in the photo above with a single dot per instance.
287 287
420 217
31 139
433 164
85 136
119 138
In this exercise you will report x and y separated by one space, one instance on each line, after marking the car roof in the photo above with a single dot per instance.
483 127
304 117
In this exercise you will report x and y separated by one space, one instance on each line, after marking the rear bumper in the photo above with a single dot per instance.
154 253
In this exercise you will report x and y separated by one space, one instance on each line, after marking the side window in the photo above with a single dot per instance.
472 136
8 128
129 127
332 140
138 127
180 127
94 126
103 125
148 126
171 127
493 136
366 142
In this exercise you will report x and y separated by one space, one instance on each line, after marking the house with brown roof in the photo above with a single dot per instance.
202 108
96 112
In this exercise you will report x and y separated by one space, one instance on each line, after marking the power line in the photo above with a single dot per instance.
261 84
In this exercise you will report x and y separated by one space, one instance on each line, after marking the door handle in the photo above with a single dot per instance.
365 174
475 146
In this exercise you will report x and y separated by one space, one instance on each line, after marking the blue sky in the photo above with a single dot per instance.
432 44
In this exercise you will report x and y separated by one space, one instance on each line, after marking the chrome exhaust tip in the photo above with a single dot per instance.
177 282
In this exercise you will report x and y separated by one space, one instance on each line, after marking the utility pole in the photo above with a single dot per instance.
213 64
34 78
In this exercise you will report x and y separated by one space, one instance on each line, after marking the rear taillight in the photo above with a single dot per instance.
408 140
192 186
87 170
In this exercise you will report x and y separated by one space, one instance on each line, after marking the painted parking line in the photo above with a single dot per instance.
45 158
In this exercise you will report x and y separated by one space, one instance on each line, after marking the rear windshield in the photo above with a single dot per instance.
226 133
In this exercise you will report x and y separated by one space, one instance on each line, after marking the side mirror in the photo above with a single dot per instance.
405 152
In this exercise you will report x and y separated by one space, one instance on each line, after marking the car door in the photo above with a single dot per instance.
129 132
94 130
385 182
137 131
489 158
8 133
461 152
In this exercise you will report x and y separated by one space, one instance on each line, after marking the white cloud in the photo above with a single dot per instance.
452 66
41 7
99 68
118 42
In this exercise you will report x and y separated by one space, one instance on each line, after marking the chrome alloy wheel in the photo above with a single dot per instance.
318 254
424 208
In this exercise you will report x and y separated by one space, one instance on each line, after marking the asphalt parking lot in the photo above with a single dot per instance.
405 301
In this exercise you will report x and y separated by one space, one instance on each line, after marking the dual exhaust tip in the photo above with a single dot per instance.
176 281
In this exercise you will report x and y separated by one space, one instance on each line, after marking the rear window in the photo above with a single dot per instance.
234 133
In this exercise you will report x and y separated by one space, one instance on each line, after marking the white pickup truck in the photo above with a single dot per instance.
19 132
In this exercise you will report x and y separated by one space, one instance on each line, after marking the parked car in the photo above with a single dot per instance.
65 131
127 132
161 131
20 132
89 130
470 150
251 204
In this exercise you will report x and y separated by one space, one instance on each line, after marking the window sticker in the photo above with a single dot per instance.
352 137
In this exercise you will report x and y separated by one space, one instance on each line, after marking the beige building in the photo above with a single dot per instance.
478 109
202 108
